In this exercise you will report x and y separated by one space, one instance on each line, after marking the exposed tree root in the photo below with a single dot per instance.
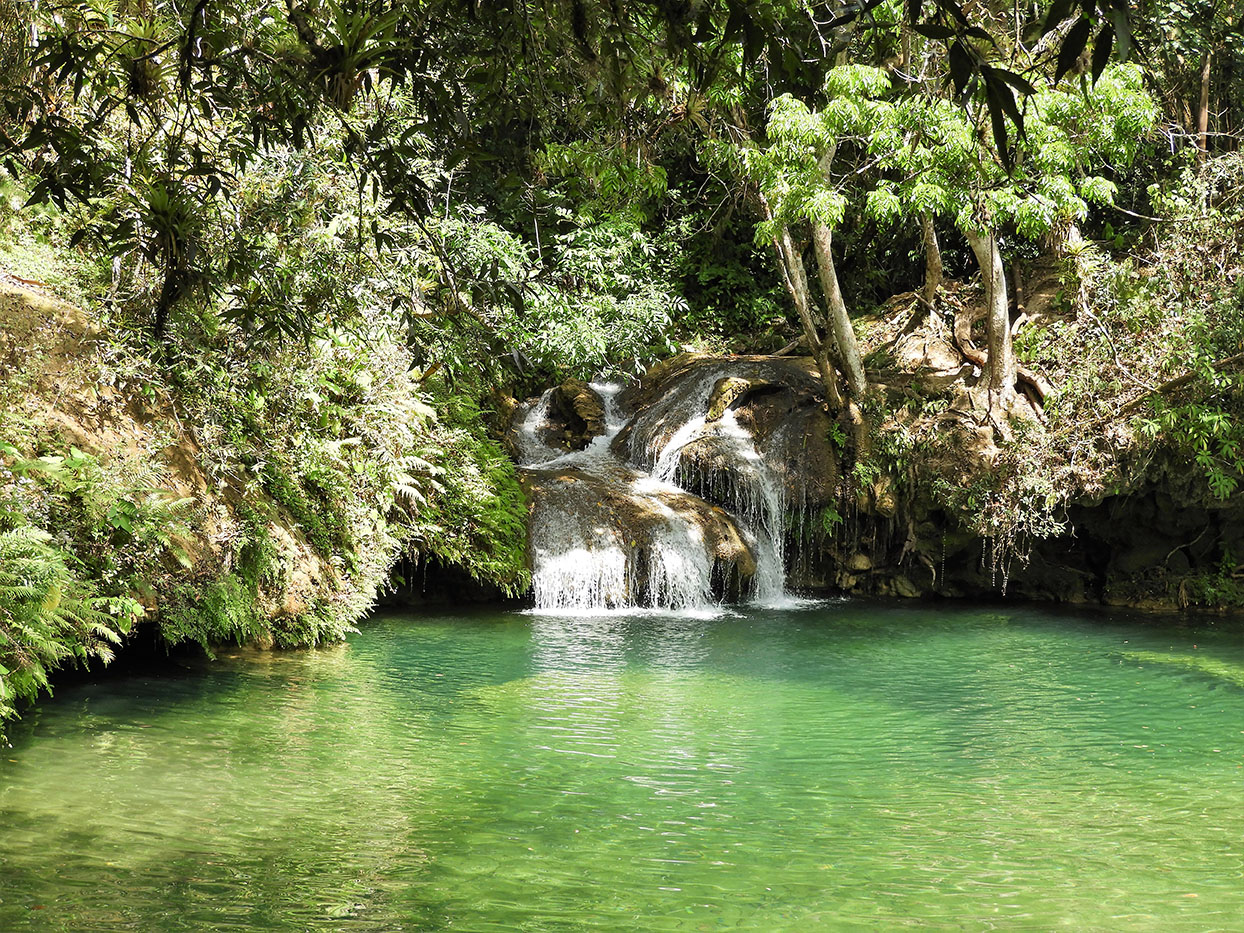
1033 387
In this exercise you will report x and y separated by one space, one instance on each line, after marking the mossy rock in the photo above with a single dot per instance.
582 411
727 391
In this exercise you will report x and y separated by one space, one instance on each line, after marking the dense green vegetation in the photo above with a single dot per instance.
322 246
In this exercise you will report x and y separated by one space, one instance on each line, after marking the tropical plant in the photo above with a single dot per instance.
49 616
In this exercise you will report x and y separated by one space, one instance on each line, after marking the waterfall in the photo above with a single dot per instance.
585 552
531 446
580 563
740 480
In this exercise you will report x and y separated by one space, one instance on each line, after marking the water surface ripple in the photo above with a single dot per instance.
841 767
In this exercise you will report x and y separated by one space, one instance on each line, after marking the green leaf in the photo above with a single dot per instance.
1016 81
1101 50
961 67
997 119
1073 47
1059 11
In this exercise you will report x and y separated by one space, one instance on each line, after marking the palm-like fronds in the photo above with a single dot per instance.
48 617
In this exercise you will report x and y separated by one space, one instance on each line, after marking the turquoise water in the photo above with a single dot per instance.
837 768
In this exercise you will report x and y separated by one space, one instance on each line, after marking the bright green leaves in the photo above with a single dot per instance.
797 129
600 294
792 171
928 197
1035 215
1106 123
606 174
122 515
49 615
825 206
1211 435
1098 190
857 81
883 204
943 164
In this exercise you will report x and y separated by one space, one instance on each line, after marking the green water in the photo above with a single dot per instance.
837 768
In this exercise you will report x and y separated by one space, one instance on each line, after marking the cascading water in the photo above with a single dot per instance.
531 447
580 562
737 477
751 491
585 559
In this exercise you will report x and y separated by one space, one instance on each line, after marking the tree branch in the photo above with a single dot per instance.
1166 388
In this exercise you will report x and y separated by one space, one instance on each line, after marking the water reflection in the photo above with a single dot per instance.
844 768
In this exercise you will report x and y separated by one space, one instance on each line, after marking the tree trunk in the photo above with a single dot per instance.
932 261
835 308
1001 360
796 279
836 312
790 265
1202 112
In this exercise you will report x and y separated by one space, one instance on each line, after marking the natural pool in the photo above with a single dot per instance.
845 766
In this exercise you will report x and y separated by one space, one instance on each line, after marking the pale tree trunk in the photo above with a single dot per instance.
790 265
797 284
795 278
1002 371
835 308
932 261
1202 112
836 312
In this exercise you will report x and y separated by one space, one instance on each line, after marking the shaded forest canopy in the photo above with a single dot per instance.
319 248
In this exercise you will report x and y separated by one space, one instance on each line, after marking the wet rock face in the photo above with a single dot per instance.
580 411
573 414
777 400
1143 550
676 505
726 391
613 513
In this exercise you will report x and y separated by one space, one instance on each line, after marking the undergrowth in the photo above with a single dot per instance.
320 462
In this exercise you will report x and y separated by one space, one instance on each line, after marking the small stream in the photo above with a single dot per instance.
845 766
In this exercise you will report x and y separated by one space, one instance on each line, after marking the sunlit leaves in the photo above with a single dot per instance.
1034 216
826 206
606 173
926 197
1210 434
794 126
1098 190
883 204
856 81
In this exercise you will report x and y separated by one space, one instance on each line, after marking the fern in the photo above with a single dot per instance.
48 616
